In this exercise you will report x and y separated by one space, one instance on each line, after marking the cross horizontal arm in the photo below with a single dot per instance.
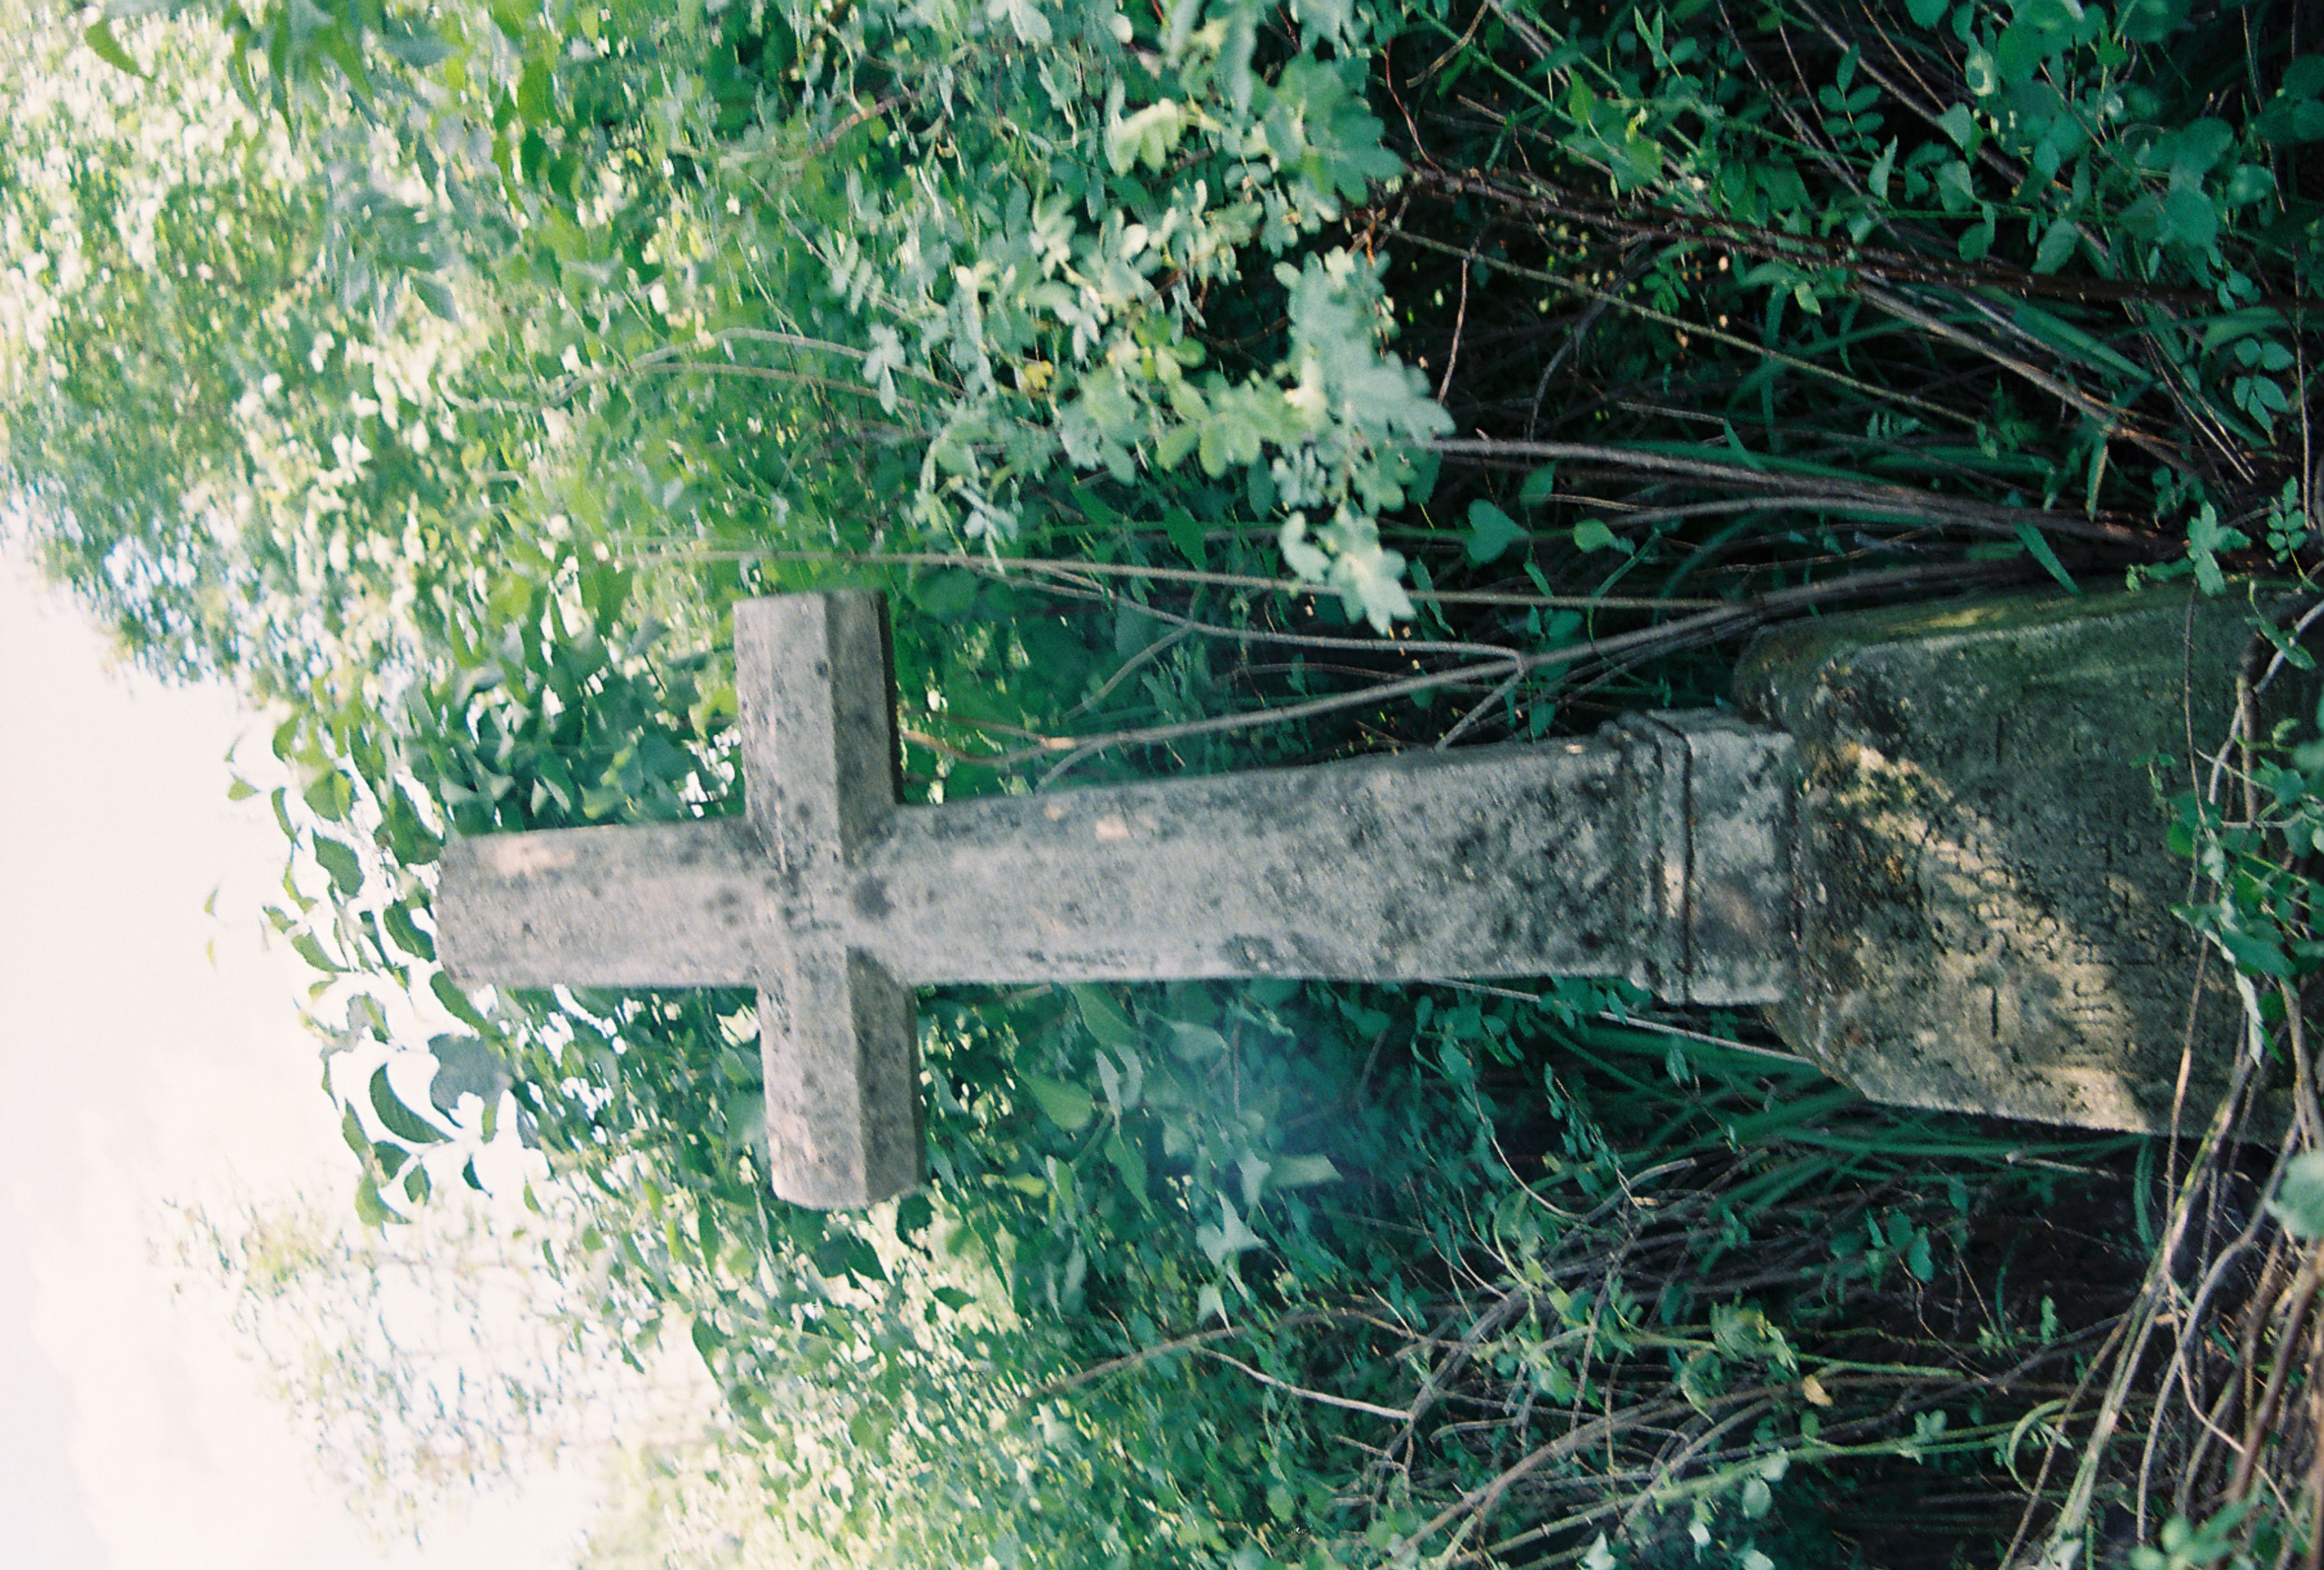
657 905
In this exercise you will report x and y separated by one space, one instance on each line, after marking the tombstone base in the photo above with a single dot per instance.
1985 888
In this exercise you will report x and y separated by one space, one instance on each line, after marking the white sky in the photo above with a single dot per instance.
132 1434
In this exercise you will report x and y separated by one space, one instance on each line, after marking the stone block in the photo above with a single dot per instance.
1985 888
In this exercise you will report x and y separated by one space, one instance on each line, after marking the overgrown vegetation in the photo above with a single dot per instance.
1211 386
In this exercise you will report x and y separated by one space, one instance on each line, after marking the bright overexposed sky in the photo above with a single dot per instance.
134 1070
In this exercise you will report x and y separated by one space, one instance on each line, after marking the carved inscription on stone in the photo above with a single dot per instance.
1986 887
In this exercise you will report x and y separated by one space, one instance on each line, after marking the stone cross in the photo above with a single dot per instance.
1574 858
1934 873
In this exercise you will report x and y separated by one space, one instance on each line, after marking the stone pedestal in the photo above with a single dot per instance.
1984 887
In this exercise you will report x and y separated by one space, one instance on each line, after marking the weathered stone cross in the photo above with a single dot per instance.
1676 850
1575 858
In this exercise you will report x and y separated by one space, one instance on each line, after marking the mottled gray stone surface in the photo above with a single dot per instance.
1986 885
1659 851
1717 831
749 902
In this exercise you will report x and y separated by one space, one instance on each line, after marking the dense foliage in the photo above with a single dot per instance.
1207 386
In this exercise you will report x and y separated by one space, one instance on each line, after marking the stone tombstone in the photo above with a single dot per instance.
1985 920
1937 860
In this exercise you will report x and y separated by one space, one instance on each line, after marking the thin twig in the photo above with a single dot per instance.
1323 1397
1717 466
1000 566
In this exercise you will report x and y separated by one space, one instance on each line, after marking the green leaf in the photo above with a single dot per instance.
406 832
306 946
340 42
1230 1238
1302 1171
331 796
1592 534
398 1119
1883 168
419 48
2204 540
2248 182
1068 1106
341 862
2190 215
1185 531
533 98
1176 442
1927 13
2151 21
1491 532
1128 1161
1982 74
1147 135
2299 1202
370 1208
1748 1334
2293 114
2039 547
397 919
1195 1042
1104 1017
2076 342
448 994
1271 991
947 594
2259 955
2057 246
99 36
1539 485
